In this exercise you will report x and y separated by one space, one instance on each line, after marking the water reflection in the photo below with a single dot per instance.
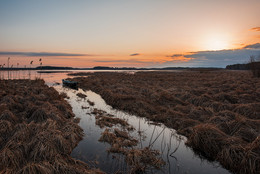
178 157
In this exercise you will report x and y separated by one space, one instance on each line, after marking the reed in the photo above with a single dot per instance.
37 130
212 109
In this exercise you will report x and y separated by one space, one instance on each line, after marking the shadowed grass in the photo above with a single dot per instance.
37 130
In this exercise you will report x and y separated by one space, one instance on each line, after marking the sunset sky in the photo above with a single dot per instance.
134 33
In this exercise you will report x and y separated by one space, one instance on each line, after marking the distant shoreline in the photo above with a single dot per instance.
111 68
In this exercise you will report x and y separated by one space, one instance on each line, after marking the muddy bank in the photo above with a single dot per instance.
218 111
38 131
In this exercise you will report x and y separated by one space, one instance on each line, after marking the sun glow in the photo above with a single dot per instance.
217 42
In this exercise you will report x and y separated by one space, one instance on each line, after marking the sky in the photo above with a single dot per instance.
129 33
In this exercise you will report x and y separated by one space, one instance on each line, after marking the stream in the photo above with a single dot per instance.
178 158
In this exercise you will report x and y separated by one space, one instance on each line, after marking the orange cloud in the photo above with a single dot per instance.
179 58
255 29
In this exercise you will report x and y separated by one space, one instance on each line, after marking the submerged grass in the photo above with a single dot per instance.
37 130
219 111
138 159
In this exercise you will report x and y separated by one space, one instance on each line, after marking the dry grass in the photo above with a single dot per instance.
214 109
139 159
81 95
106 120
90 103
37 130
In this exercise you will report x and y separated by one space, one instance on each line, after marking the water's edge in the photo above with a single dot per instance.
178 157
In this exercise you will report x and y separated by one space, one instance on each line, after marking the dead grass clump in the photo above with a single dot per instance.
90 103
254 146
138 159
47 144
37 168
38 116
6 129
141 159
229 115
53 93
216 120
73 133
118 140
35 130
64 95
107 121
166 98
42 97
226 98
8 99
17 107
116 148
236 155
218 106
207 137
232 127
249 110
221 123
246 133
3 107
97 112
61 165
11 158
200 113
183 109
107 136
129 142
9 116
184 125
21 134
30 109
65 109
81 95
199 101
122 134
231 156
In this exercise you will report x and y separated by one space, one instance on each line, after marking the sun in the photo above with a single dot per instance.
216 42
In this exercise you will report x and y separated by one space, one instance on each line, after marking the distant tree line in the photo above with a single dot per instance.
253 65
238 67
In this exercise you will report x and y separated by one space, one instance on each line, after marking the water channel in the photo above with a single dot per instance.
178 158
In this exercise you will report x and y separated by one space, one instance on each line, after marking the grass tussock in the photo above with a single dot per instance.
105 120
214 109
37 130
139 159
81 95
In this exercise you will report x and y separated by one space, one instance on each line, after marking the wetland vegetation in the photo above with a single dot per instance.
38 130
218 111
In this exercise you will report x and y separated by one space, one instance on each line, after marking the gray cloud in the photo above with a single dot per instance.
253 46
40 54
135 54
219 58
175 55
